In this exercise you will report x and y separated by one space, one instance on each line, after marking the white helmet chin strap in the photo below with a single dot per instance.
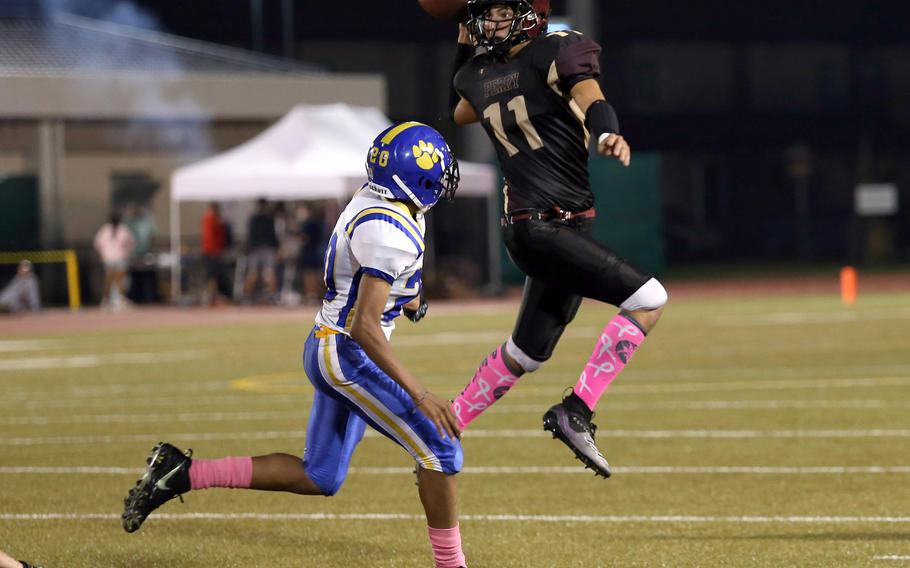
407 191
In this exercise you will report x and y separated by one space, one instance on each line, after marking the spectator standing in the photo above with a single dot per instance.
143 278
214 241
142 225
262 244
312 251
114 243
288 231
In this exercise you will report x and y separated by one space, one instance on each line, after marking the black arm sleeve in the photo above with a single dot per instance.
462 55
600 119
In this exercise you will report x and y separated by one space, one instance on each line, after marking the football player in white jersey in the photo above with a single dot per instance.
373 269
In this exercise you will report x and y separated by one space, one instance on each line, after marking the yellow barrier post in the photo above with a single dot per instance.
72 280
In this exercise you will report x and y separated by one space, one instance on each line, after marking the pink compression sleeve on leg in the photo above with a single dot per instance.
224 472
446 543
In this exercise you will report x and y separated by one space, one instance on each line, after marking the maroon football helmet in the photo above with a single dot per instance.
529 20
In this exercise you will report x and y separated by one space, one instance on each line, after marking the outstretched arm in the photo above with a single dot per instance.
600 118
366 331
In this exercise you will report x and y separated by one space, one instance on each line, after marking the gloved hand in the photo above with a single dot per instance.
418 314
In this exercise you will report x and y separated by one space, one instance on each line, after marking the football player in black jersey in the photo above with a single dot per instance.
537 96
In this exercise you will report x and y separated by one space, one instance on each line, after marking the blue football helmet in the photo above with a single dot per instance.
411 162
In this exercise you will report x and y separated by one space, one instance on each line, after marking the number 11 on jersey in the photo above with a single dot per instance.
516 105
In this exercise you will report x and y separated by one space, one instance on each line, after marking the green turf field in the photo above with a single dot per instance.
757 432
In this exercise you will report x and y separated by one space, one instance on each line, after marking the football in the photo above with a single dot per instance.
450 10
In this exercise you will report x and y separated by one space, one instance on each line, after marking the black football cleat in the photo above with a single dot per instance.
576 430
167 476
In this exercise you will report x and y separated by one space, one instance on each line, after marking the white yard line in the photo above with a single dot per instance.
530 470
121 390
777 371
802 318
744 320
229 399
501 408
506 433
156 418
785 384
506 408
14 345
493 338
97 360
30 397
74 470
672 519
136 438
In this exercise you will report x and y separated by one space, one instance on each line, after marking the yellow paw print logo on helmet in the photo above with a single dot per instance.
426 154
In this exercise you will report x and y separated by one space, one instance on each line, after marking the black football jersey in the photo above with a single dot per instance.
538 131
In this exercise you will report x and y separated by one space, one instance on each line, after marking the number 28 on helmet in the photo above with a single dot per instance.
411 162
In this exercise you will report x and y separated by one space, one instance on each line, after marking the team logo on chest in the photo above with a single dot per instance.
500 85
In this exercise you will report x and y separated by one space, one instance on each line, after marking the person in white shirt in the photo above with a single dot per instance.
373 268
114 243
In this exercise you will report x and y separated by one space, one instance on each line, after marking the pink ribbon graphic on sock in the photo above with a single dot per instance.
492 380
617 343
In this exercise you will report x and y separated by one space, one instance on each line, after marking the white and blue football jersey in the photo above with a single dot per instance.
378 237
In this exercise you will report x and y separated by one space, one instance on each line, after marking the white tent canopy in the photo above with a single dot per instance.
313 152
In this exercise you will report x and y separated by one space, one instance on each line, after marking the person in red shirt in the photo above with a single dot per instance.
214 241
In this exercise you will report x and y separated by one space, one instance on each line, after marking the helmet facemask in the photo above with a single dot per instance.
489 18
443 188
450 178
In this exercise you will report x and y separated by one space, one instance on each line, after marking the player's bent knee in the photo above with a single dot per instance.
449 457
528 363
651 296
329 487
328 482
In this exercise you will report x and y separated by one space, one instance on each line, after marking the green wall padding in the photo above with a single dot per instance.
629 216
19 229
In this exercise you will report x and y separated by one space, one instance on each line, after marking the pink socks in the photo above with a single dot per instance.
490 382
617 344
224 472
446 545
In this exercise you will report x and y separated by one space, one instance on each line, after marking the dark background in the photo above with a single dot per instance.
764 116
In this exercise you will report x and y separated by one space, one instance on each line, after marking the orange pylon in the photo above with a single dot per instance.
848 285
